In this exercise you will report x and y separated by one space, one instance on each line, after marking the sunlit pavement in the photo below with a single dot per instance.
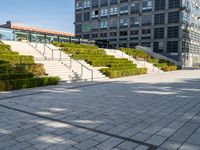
160 111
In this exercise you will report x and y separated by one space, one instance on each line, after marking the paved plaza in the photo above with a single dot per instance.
156 111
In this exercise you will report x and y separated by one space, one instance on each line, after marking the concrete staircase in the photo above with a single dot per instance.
57 63
80 67
140 64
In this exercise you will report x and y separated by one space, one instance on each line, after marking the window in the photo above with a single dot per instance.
104 25
123 45
86 4
146 34
123 33
86 36
95 35
133 45
121 1
160 4
123 22
79 5
104 12
134 32
104 2
95 3
113 2
86 16
95 14
95 25
147 5
174 3
158 47
103 35
173 32
159 19
113 34
113 11
146 20
135 8
78 17
173 17
159 33
146 44
113 24
78 28
124 9
134 21
172 46
146 31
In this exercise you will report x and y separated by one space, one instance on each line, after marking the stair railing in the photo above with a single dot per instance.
62 59
142 63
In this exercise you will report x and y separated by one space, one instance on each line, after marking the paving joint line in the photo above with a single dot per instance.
151 146
36 93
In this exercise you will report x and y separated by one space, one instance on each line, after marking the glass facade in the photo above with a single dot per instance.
24 36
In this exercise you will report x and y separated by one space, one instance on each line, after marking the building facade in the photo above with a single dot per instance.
18 32
169 27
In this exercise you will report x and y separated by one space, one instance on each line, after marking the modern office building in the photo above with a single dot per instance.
169 27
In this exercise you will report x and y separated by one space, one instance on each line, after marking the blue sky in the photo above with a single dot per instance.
52 14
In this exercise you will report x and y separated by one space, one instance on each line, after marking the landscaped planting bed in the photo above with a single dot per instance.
18 72
98 58
160 63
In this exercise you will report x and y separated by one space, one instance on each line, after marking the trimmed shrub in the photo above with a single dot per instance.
5 47
17 59
35 69
9 76
6 68
4 62
153 60
6 85
114 73
137 54
160 63
170 68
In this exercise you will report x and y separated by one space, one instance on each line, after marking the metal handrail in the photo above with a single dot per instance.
143 63
60 58
82 65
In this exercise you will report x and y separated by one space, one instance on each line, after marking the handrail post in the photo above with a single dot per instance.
52 55
44 50
60 55
70 63
92 76
81 70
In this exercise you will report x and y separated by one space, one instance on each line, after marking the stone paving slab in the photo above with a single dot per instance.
143 112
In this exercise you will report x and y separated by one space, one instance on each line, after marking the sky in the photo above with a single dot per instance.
51 14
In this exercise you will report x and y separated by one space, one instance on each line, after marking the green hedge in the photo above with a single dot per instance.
115 73
72 45
17 59
137 54
8 52
160 63
9 76
6 68
4 62
7 85
35 69
5 47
